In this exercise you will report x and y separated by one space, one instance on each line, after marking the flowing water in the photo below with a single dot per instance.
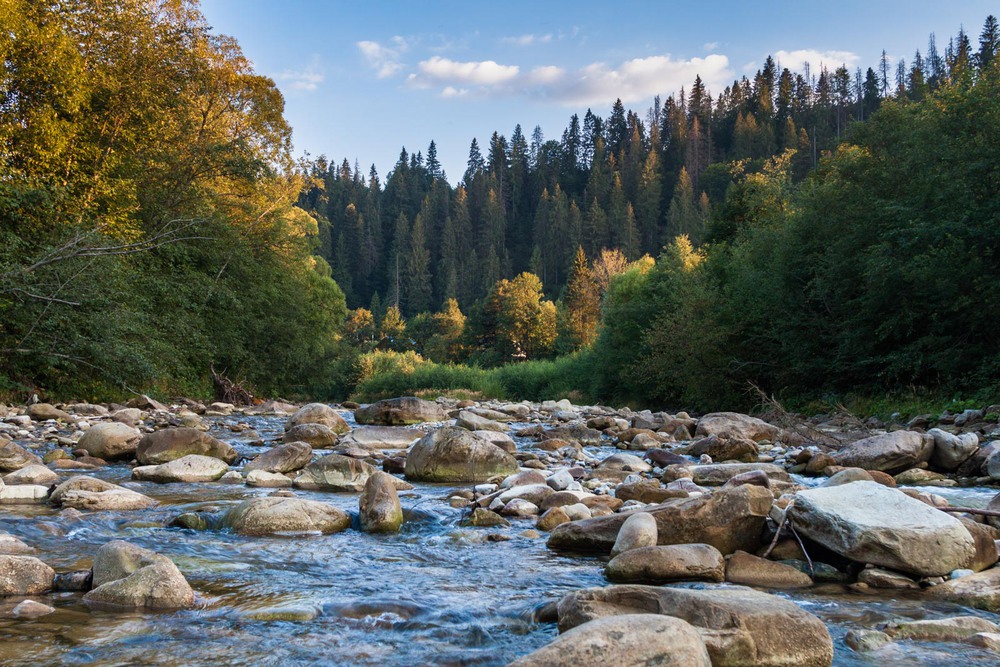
434 594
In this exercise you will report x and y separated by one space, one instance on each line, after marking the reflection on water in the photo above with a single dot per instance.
436 593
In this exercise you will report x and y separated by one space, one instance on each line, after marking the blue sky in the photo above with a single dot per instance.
363 79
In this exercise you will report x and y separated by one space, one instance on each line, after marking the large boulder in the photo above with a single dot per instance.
318 413
381 437
379 508
173 443
456 455
110 441
89 493
733 424
24 575
14 457
725 448
744 568
400 412
191 468
633 639
276 515
675 562
730 519
334 472
574 433
950 450
717 474
741 627
890 452
637 531
317 436
283 458
130 577
871 523
473 422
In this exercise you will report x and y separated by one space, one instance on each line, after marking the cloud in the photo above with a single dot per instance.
447 72
307 79
709 46
796 60
597 83
384 58
528 40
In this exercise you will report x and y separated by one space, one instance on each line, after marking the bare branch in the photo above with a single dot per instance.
40 297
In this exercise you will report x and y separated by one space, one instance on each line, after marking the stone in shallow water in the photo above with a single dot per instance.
31 609
677 562
88 493
275 515
942 629
175 443
637 639
191 468
744 568
457 455
401 411
24 575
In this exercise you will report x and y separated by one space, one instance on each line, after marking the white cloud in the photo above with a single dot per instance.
483 73
384 58
528 40
307 79
796 60
709 46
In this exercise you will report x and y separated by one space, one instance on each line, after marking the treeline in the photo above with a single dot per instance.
878 272
631 181
147 227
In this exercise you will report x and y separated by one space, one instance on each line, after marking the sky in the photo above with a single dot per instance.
362 80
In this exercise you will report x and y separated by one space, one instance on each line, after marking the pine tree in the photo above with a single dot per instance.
583 303
417 281
989 43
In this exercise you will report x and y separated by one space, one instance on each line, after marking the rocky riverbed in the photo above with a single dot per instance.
415 532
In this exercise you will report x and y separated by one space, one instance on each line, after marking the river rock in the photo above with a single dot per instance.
381 437
728 519
744 568
190 468
484 518
473 422
953 629
31 609
716 474
379 509
637 530
89 493
736 425
676 562
274 515
110 441
400 412
871 523
317 436
287 457
175 443
14 457
980 590
632 639
33 474
626 462
890 452
574 433
334 472
741 627
24 575
456 455
318 413
43 411
12 546
23 494
128 416
129 577
267 480
951 451
725 448
647 491
533 493
552 517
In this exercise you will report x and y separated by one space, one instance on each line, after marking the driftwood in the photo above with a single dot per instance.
970 510
229 391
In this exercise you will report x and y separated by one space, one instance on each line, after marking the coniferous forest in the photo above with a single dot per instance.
811 233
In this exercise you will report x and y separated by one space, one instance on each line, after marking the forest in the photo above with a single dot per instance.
807 233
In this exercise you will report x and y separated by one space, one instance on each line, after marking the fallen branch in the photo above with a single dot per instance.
970 510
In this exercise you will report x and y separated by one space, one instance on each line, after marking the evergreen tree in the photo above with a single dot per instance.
989 43
417 285
583 303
